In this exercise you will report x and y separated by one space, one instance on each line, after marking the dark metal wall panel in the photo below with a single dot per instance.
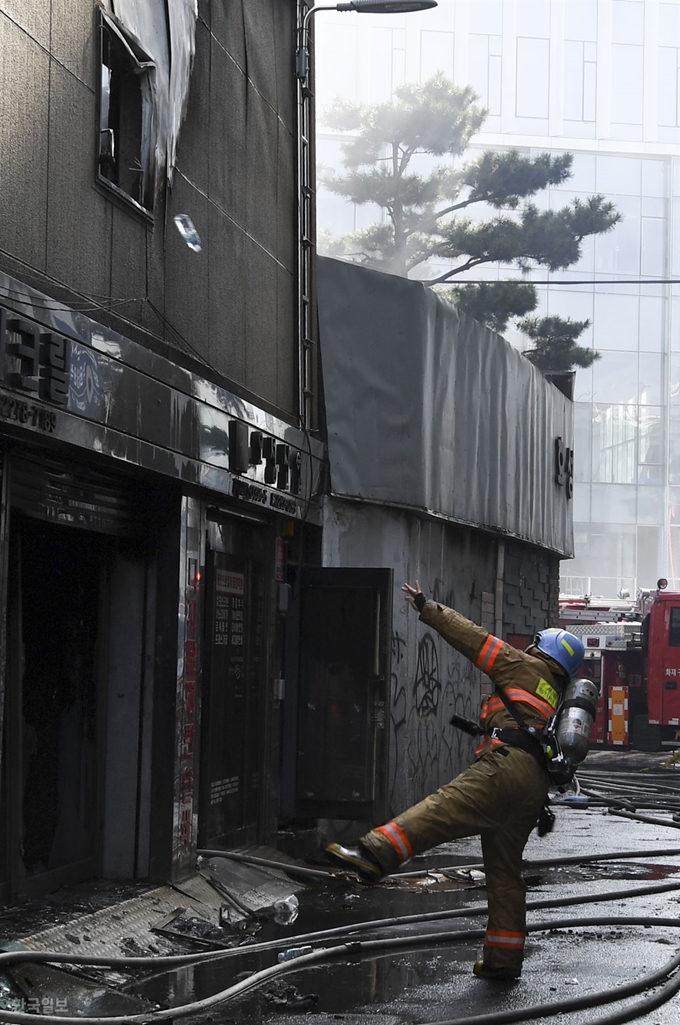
285 376
284 33
33 18
246 162
335 742
71 39
149 313
78 222
186 272
196 127
24 93
261 45
129 259
227 144
228 26
228 284
262 131
286 219
261 318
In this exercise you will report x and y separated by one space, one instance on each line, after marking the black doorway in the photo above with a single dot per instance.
233 687
52 723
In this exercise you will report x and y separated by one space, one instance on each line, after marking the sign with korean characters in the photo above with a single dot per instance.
564 467
36 363
230 589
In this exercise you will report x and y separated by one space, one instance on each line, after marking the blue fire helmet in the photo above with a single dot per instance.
561 646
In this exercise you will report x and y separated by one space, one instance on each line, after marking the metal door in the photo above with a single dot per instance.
233 690
343 695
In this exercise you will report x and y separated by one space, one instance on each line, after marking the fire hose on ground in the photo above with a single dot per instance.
353 948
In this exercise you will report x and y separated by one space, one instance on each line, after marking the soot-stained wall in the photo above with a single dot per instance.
430 680
231 305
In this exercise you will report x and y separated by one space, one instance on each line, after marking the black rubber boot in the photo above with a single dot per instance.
359 859
505 974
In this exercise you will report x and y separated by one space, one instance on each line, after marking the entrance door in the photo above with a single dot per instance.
51 724
343 700
232 714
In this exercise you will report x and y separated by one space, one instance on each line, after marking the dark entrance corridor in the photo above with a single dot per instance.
51 802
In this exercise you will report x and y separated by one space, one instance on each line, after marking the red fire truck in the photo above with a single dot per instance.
633 651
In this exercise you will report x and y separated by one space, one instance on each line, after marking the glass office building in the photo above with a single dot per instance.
599 79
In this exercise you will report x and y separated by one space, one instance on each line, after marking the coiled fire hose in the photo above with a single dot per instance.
359 948
353 947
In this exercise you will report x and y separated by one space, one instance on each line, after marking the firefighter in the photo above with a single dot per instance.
501 794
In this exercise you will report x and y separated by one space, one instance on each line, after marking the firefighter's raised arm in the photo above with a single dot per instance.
471 640
492 655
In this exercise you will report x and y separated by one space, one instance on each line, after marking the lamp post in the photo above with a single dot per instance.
361 7
305 186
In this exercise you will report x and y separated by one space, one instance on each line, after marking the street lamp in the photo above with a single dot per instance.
305 185
361 7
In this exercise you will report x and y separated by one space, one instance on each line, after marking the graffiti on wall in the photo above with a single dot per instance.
427 687
423 701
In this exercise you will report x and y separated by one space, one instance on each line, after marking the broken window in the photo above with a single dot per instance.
126 157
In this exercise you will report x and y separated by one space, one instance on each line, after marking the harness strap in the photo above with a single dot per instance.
528 742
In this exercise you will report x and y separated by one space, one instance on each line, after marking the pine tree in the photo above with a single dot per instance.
555 349
469 213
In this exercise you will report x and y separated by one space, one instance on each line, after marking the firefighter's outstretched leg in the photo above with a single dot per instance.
480 798
357 858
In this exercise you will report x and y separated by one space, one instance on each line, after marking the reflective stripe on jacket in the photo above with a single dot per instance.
529 680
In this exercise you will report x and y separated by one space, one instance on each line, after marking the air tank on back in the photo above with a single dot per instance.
576 718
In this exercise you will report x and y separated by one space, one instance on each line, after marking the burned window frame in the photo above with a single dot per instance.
119 50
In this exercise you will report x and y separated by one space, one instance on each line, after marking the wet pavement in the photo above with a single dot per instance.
420 981
433 983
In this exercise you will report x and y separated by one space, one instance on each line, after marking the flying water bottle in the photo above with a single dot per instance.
187 230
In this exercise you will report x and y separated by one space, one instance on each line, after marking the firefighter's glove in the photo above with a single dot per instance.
419 600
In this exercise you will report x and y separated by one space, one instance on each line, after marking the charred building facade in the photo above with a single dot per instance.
155 468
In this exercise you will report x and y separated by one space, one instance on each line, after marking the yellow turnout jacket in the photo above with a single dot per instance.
531 682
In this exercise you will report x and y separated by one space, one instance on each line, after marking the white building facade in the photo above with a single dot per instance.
599 79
